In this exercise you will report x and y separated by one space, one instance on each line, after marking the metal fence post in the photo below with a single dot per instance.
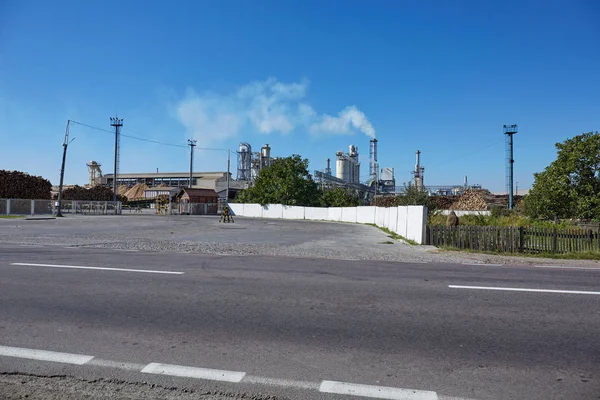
32 207
7 206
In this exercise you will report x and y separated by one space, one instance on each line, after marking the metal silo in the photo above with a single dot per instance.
244 162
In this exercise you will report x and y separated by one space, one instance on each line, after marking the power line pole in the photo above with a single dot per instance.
192 144
62 170
228 169
117 123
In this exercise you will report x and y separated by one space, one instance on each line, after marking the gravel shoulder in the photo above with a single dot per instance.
247 236
23 386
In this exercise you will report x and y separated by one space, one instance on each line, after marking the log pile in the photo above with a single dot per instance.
470 200
443 202
97 193
19 185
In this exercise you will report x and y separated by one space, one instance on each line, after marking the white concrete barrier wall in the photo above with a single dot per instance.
316 213
253 210
237 209
293 212
272 211
334 214
402 221
349 214
380 216
365 215
393 219
416 223
407 221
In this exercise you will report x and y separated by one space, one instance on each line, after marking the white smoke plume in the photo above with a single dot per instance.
349 118
264 106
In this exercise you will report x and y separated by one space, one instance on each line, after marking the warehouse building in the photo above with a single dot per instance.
216 181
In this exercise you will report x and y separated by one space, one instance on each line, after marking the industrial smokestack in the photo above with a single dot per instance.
373 165
418 172
328 169
466 182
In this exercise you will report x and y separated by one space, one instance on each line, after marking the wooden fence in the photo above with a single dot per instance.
514 239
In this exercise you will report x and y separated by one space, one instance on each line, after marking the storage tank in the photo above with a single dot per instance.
265 155
342 167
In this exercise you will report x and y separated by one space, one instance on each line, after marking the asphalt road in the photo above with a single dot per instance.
283 326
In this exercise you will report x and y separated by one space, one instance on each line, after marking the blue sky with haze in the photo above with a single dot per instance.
307 77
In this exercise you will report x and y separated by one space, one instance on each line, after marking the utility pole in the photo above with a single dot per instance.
62 170
192 144
117 123
228 168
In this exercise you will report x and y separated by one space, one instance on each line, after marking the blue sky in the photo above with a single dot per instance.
307 77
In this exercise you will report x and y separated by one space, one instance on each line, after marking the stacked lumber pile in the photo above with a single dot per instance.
136 192
19 185
470 200
97 193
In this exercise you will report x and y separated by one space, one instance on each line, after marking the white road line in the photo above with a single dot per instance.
193 372
484 264
522 289
148 271
281 382
44 355
116 364
378 392
563 267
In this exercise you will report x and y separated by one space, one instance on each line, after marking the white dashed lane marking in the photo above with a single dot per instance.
379 392
523 289
194 372
44 355
147 271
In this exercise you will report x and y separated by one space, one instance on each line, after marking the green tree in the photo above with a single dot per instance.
286 181
570 186
340 197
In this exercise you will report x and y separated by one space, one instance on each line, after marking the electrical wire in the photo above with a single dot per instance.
144 139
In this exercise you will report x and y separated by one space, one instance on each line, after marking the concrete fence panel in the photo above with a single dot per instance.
272 211
402 220
316 213
380 216
293 212
334 214
349 214
236 209
365 215
393 219
253 210
417 220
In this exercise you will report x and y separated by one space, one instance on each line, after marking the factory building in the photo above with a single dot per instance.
216 181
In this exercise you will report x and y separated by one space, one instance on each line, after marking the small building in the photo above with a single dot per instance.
197 201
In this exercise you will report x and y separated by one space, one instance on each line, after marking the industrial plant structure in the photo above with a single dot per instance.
249 163
347 166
